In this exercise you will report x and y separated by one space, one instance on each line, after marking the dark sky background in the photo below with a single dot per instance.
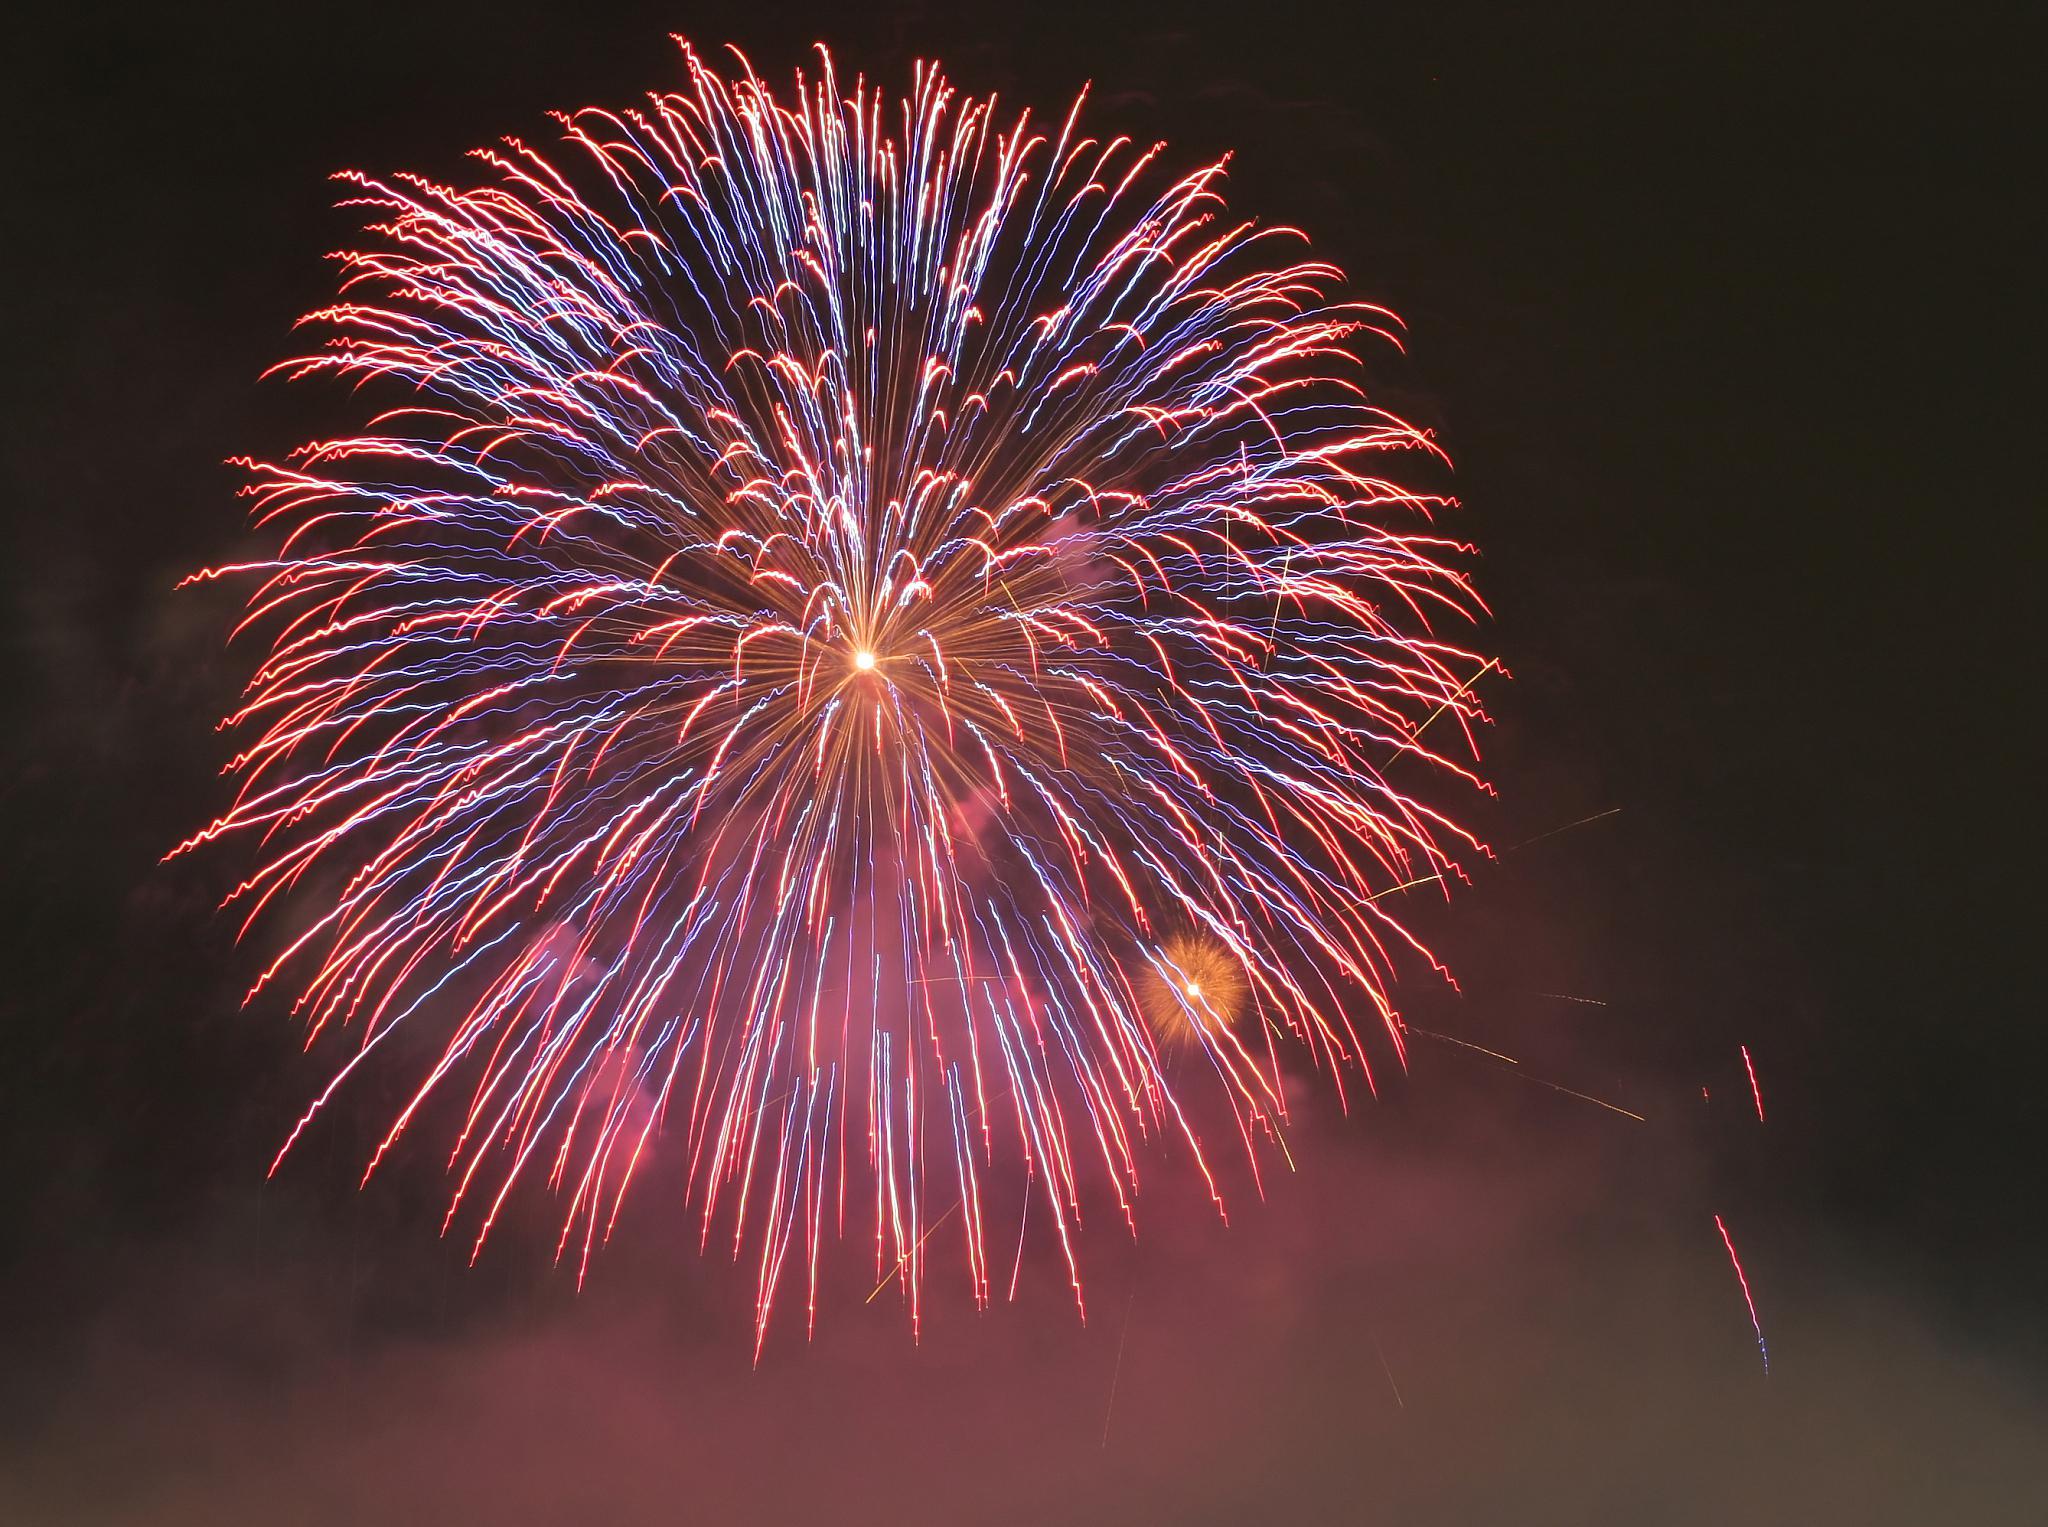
1717 310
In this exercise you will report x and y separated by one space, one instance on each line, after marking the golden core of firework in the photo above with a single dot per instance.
864 660
1196 986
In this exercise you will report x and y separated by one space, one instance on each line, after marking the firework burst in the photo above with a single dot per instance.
820 587
1194 985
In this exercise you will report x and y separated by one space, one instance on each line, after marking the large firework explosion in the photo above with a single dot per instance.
834 601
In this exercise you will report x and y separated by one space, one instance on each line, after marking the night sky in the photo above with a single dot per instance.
1717 310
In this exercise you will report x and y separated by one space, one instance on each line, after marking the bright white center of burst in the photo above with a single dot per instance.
1194 988
864 660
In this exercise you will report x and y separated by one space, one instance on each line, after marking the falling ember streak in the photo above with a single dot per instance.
801 625
1598 816
1385 1367
1485 668
1464 1044
1743 1279
1754 1091
1116 1373
1558 996
896 1272
1584 1097
1406 885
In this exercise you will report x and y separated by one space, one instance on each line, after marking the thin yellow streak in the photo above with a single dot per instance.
1406 885
1109 1409
895 1271
1539 1080
1463 1044
1454 697
1385 1368
1588 1097
1581 822
1280 594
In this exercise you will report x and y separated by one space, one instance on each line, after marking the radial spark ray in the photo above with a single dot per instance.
824 591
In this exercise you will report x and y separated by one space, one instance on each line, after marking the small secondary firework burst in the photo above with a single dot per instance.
1195 985
818 589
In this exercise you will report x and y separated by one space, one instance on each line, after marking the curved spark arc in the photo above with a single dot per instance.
821 601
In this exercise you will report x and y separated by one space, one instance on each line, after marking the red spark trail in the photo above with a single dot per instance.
1754 1090
1743 1279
